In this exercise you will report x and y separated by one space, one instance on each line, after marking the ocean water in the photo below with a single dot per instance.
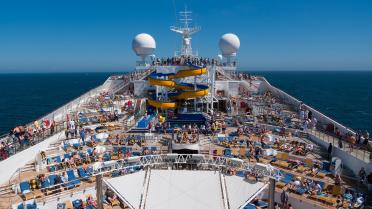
26 97
344 96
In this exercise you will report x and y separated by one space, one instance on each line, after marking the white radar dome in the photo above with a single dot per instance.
229 44
143 44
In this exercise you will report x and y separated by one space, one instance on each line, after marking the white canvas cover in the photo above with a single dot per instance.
184 189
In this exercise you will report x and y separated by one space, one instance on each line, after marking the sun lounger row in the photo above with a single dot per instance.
35 188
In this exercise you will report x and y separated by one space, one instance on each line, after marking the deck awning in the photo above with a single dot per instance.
184 189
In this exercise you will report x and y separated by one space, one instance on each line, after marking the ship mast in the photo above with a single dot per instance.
186 31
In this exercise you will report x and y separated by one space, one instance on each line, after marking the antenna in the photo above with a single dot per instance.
186 31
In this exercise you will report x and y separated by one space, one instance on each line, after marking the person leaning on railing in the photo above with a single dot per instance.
3 151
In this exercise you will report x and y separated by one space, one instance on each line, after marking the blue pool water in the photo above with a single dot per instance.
344 96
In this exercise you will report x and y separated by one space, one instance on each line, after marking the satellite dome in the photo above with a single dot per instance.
229 44
143 44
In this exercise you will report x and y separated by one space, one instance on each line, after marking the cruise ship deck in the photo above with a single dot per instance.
184 132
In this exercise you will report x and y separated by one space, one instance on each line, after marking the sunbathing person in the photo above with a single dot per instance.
72 163
63 177
314 171
91 201
286 148
299 151
111 197
294 184
84 167
316 189
231 171
276 142
121 154
337 179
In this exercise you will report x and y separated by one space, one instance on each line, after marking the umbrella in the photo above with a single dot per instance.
268 138
102 136
100 149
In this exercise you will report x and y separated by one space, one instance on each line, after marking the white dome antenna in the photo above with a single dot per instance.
143 45
229 44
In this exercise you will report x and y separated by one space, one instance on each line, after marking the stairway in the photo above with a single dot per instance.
6 189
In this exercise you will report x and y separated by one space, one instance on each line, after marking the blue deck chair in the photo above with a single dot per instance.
58 159
76 145
76 203
61 205
72 180
45 184
301 190
28 206
123 149
66 146
52 179
326 167
115 173
227 152
82 174
106 157
68 185
250 206
25 187
153 149
89 207
20 206
82 154
67 155
89 171
90 152
287 178
262 204
31 205
83 120
240 173
321 184
26 142
136 153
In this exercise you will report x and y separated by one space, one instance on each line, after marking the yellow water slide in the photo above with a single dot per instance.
188 90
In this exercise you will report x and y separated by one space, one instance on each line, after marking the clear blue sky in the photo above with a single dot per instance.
95 35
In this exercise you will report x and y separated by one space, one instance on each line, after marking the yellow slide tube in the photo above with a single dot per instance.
162 105
168 83
189 72
191 94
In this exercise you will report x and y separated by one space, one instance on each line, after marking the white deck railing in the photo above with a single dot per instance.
351 149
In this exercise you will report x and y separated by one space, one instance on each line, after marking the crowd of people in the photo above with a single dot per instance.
185 60
183 136
24 136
